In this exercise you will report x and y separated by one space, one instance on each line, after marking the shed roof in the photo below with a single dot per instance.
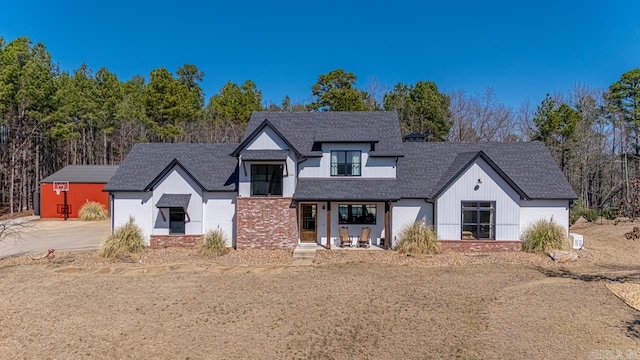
174 200
346 189
265 155
83 174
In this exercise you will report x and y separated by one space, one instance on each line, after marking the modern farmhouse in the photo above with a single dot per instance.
308 177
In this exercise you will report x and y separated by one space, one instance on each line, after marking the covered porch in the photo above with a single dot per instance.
328 207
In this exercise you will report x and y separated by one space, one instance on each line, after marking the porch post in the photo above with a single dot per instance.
328 224
387 221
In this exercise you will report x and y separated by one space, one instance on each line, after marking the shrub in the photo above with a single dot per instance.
578 209
544 235
127 239
609 213
417 238
215 243
92 211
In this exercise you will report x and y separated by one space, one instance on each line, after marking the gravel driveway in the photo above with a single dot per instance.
40 235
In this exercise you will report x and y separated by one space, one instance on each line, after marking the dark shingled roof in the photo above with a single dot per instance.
302 129
265 154
209 164
174 200
346 189
429 166
83 174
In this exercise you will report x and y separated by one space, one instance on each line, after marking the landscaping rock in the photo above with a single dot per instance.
563 256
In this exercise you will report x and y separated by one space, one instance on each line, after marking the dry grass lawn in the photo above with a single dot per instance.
349 310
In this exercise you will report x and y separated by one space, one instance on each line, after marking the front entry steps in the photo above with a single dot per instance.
303 254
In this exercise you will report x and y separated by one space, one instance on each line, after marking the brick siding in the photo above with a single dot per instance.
481 246
163 241
266 223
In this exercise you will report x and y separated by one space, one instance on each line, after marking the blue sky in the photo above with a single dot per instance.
521 49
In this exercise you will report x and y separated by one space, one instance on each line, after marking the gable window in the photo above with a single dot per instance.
345 163
478 220
266 180
357 214
176 220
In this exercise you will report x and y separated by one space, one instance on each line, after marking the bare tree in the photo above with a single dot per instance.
481 118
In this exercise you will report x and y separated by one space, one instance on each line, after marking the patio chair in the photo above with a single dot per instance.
345 238
365 237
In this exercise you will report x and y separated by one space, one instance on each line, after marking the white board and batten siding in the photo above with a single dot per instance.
371 167
219 212
268 140
534 210
138 205
406 212
177 181
466 188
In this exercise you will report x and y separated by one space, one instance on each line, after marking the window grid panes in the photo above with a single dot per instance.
357 214
176 221
266 180
345 163
478 220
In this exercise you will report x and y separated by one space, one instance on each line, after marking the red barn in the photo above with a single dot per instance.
85 183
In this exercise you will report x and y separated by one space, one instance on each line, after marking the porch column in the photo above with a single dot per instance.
387 225
328 224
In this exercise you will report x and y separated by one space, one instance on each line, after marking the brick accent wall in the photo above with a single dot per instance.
481 246
163 241
266 223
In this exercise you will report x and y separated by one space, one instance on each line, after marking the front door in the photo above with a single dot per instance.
308 228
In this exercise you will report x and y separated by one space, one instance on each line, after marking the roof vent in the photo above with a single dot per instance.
413 137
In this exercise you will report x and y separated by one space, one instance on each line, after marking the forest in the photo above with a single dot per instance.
51 118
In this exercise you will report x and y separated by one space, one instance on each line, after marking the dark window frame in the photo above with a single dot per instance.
346 168
174 213
476 211
362 217
272 185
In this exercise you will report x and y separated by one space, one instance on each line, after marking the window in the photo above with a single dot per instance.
266 180
357 214
478 220
345 163
176 221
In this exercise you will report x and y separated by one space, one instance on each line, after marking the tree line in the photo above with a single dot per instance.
51 118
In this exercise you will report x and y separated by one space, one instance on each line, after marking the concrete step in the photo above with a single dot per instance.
304 255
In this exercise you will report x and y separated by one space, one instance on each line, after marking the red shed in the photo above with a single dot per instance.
85 183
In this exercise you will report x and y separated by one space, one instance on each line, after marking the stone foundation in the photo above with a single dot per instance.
480 245
186 241
266 223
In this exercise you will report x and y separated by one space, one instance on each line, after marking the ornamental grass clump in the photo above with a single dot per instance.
93 211
126 239
417 239
214 244
544 235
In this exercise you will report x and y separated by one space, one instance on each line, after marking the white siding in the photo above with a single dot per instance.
534 210
133 204
219 211
268 140
408 211
177 181
465 188
371 167
377 229
288 182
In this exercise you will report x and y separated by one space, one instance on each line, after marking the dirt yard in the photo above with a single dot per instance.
348 306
